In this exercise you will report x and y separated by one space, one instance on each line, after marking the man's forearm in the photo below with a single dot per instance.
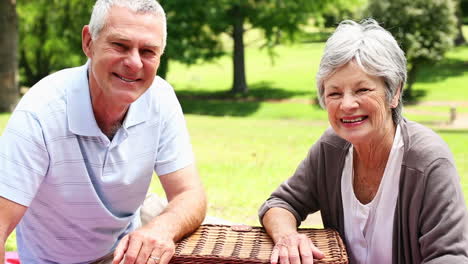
2 251
183 214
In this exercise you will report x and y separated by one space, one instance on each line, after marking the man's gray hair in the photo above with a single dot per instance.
101 10
374 49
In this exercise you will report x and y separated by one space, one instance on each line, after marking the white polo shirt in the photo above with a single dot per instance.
83 192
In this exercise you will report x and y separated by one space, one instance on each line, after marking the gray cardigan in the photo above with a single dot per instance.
431 219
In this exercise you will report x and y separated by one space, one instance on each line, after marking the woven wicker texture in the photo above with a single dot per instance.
221 244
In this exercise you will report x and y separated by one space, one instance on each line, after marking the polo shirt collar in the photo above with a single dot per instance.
139 110
80 114
81 120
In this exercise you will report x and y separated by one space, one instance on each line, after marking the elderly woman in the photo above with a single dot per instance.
388 185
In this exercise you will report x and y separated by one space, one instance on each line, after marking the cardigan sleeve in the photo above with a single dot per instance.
443 218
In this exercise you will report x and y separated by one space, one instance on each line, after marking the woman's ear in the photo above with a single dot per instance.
396 98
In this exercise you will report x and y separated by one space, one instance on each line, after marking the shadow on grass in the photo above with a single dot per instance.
416 97
314 37
219 107
442 70
224 103
260 91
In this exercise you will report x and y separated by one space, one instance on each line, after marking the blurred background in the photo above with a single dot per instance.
244 72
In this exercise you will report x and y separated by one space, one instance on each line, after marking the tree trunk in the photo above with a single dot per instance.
408 92
239 83
460 39
8 44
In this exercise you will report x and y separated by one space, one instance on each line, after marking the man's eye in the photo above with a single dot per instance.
119 45
148 52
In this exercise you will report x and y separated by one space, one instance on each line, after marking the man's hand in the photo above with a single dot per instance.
155 242
295 248
145 245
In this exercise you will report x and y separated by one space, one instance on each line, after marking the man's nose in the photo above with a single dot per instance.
133 60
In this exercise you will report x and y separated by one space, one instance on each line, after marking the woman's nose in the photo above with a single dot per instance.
349 102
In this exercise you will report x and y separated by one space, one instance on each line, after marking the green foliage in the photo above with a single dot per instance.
276 19
425 28
50 36
190 37
342 9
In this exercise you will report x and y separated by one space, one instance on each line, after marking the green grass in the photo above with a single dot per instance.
293 74
446 80
3 120
241 160
294 71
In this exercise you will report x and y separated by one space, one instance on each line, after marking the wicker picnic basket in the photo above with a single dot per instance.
245 244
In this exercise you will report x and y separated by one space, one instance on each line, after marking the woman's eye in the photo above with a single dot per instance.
335 94
363 90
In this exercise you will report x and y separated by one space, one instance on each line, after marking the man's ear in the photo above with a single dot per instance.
396 97
86 41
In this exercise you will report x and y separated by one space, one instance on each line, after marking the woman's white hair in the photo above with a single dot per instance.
374 49
101 10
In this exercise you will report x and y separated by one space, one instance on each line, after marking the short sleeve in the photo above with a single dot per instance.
24 159
174 150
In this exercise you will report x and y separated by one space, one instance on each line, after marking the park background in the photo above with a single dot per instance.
244 72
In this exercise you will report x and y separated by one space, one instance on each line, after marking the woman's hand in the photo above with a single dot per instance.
295 248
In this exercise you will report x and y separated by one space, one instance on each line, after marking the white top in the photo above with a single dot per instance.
83 192
369 227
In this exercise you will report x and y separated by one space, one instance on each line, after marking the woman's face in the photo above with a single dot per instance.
357 108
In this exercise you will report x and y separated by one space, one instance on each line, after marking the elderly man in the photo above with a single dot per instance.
78 154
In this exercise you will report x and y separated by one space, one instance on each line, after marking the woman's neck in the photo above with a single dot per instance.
369 162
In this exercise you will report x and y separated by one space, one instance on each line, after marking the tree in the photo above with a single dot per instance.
425 29
332 15
190 38
50 36
8 44
276 19
462 5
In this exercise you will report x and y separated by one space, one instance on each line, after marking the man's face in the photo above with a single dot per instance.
125 56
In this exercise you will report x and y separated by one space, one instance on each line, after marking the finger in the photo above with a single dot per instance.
144 253
283 255
166 256
134 246
274 255
293 252
317 253
120 250
305 251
